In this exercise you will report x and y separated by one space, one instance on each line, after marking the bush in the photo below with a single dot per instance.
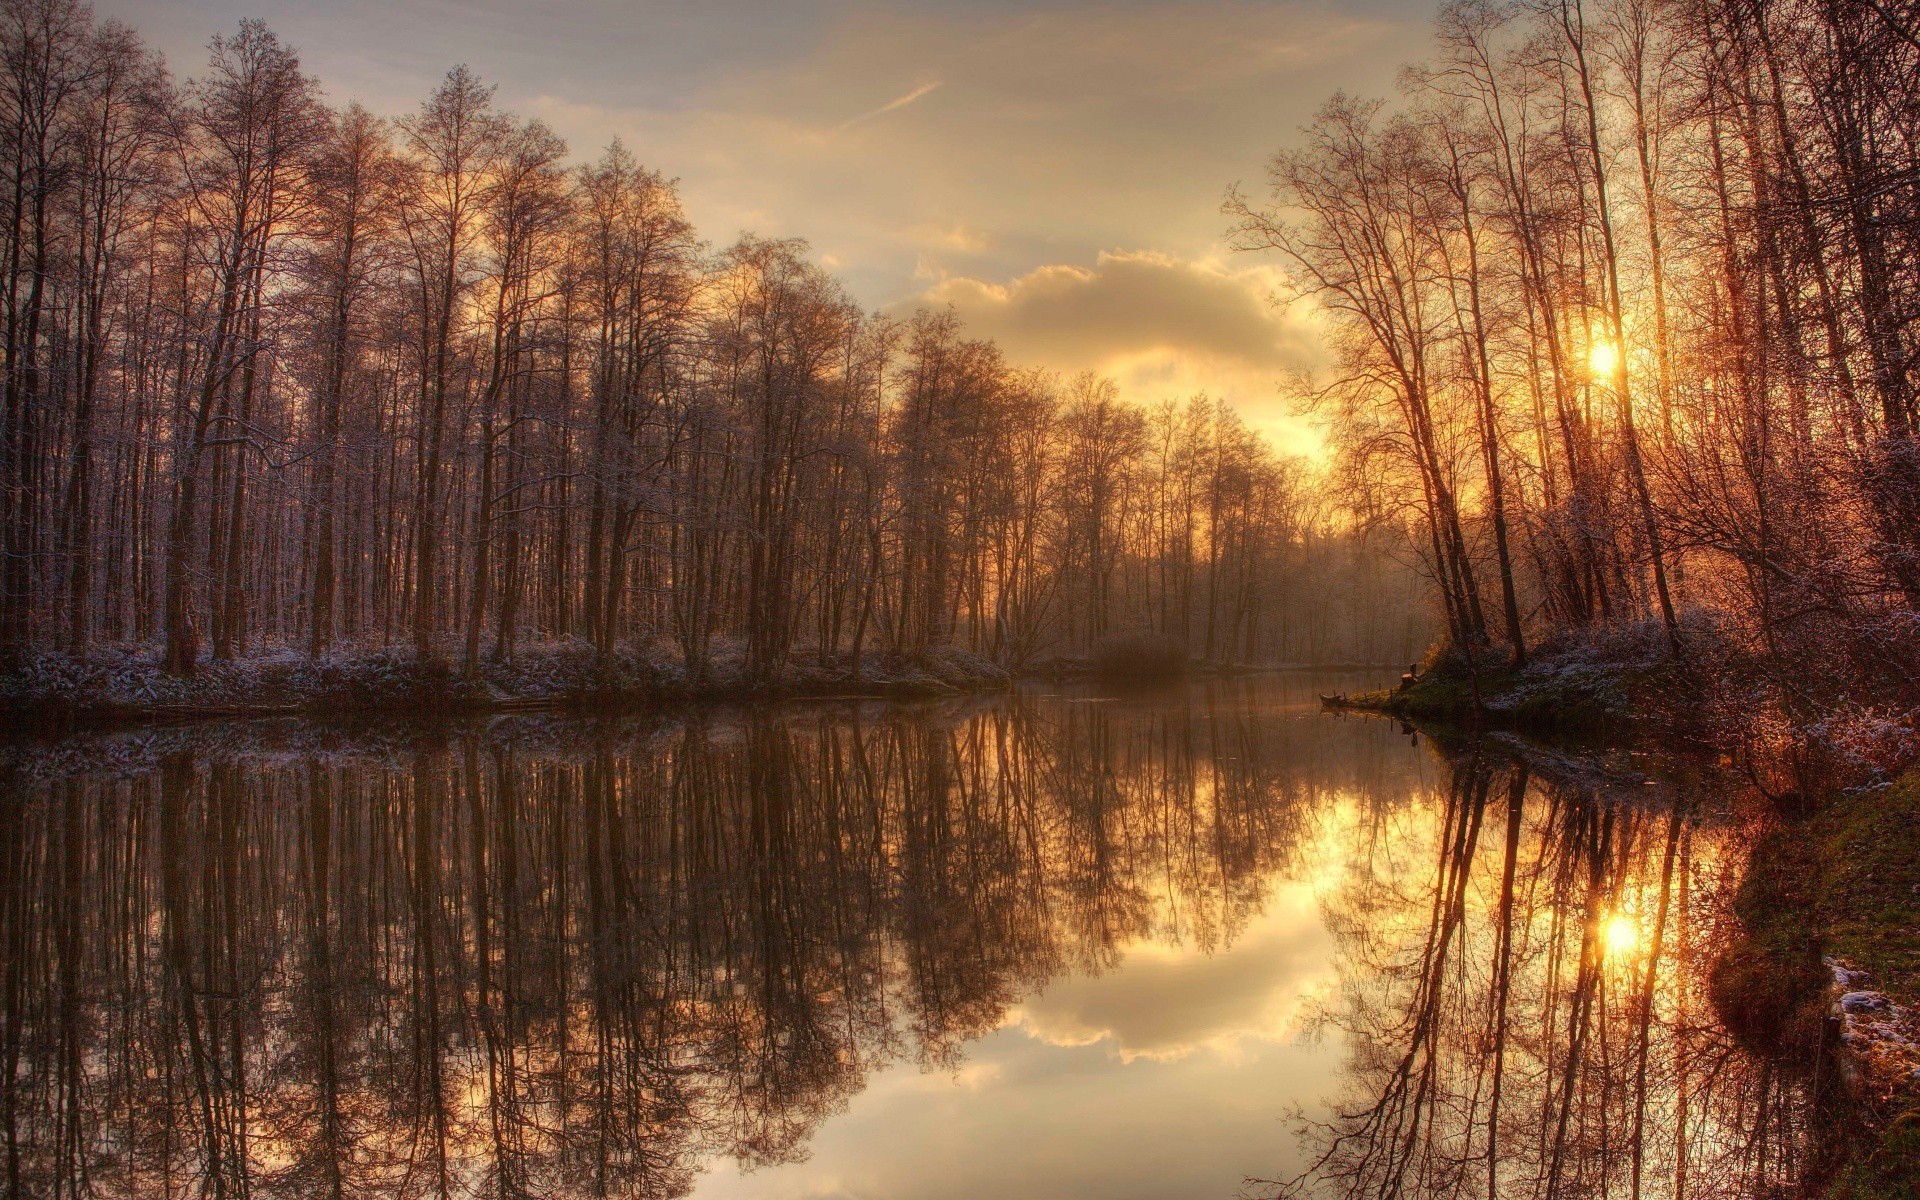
1140 656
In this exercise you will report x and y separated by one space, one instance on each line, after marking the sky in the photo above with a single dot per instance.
1052 171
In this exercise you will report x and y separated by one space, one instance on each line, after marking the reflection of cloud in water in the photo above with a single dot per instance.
1168 1001
1170 1074
1027 1119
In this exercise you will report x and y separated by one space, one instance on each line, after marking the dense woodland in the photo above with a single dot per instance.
288 378
1622 295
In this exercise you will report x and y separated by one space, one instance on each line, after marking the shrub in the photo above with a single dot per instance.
1139 656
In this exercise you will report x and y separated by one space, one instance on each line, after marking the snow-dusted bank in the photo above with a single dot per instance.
1612 685
111 686
129 686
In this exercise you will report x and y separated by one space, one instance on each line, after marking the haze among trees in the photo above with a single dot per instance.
287 378
1622 294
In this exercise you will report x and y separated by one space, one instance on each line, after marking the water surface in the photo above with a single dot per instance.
1199 943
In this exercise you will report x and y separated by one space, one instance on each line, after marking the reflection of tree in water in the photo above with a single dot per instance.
583 959
1524 1003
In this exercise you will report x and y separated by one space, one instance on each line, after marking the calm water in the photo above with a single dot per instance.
1047 946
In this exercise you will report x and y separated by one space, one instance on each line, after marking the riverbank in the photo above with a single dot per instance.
1822 973
1619 686
1827 963
122 688
110 687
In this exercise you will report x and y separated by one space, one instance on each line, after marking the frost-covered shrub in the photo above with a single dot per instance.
1859 744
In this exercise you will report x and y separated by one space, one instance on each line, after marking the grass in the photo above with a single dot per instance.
1868 916
1870 880
1842 882
1886 1169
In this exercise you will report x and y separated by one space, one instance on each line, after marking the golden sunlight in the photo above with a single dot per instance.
1603 358
1622 935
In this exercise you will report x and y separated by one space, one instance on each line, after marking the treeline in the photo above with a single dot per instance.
1623 295
280 376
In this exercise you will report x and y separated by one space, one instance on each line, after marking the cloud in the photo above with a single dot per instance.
1168 1002
1161 326
957 238
1133 302
897 102
1047 133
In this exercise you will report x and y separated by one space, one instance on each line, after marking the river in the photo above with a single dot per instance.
1193 943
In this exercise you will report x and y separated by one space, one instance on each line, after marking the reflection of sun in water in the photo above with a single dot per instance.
1622 934
1603 358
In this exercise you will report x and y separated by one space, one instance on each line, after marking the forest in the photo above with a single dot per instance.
1621 300
288 379
1621 297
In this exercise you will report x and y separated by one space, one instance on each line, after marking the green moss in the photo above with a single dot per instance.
1842 882
1870 884
1886 1169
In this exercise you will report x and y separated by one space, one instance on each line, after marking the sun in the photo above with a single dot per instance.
1622 934
1603 358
